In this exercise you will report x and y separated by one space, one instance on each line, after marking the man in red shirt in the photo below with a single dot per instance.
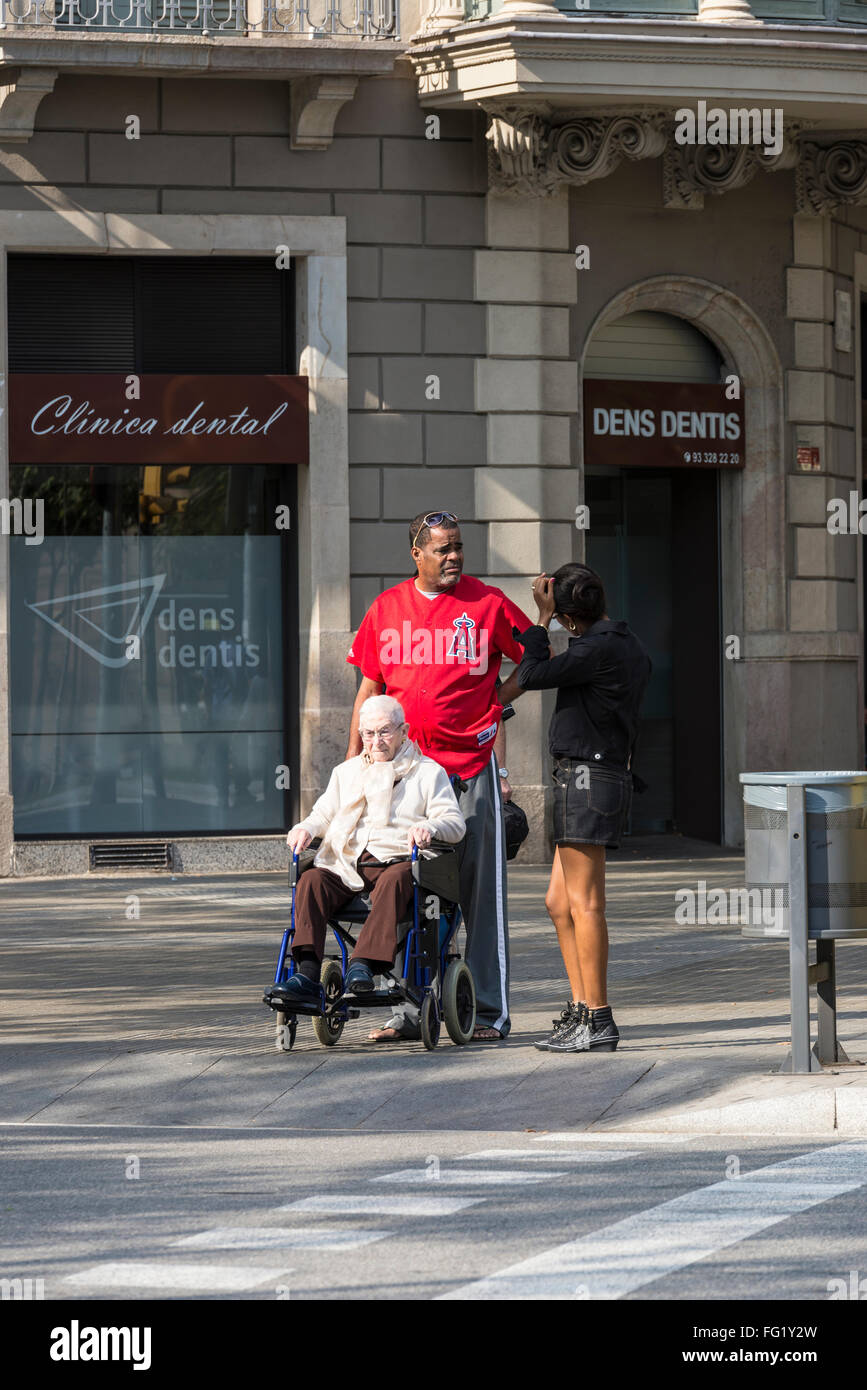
436 643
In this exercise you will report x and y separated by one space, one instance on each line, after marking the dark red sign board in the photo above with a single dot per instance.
88 417
662 424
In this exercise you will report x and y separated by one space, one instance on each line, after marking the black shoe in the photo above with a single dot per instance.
566 1019
297 990
602 1035
590 1035
571 1037
359 978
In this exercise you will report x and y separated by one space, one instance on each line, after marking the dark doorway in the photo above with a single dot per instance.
654 538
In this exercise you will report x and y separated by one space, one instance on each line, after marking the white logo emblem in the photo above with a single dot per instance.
463 644
115 613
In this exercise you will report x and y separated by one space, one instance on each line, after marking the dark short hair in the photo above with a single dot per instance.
424 531
579 592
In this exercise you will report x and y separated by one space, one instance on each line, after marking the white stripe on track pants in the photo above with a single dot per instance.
483 902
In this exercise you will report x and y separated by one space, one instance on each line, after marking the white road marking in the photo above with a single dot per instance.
561 1156
466 1176
279 1238
611 1136
364 1203
614 1261
198 1278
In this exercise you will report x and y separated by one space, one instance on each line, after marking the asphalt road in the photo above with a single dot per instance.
141 1213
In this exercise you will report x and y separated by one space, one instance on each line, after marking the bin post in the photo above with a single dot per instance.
827 1047
801 1059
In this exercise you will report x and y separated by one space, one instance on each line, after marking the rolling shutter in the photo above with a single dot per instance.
149 314
648 346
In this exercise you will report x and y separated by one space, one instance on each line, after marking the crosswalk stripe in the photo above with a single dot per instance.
561 1156
467 1176
279 1238
370 1205
616 1260
132 1274
611 1137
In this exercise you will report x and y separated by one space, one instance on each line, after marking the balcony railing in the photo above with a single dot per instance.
367 19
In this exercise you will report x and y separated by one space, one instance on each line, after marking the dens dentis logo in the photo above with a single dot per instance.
109 623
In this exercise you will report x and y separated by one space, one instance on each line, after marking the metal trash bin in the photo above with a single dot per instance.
806 854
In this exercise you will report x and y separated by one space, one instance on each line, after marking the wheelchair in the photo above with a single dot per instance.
428 970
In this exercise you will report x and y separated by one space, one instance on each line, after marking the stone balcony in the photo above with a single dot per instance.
320 47
307 19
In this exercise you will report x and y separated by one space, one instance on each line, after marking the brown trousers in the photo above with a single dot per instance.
319 893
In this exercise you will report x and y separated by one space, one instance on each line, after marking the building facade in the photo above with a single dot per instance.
591 279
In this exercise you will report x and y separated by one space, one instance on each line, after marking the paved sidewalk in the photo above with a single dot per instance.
157 1021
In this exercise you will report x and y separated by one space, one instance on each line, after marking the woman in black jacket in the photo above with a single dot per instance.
600 682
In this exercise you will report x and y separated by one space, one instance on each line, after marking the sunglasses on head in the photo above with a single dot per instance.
435 519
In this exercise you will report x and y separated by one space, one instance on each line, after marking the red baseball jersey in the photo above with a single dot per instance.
440 658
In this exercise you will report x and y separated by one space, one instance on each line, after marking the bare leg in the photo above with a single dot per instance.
583 869
557 903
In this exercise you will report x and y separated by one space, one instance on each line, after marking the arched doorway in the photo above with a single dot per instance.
654 536
752 553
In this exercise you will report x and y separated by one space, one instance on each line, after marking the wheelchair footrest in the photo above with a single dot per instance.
279 1004
376 998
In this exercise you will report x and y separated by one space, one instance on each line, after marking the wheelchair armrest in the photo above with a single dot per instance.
305 859
441 874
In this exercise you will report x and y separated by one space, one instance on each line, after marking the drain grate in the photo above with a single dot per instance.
151 854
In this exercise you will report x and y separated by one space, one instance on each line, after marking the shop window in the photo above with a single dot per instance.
152 657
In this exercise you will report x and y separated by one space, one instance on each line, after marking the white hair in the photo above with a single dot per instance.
382 705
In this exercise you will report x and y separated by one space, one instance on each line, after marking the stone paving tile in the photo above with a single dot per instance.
159 1020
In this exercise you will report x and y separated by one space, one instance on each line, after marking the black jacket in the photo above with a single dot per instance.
600 682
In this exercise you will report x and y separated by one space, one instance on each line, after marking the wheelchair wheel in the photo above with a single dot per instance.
429 1022
459 1002
328 1029
287 1027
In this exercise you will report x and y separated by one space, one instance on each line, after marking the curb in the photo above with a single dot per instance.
841 1111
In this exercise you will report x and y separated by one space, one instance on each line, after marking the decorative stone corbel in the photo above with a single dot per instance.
691 171
829 175
19 102
530 155
315 103
517 141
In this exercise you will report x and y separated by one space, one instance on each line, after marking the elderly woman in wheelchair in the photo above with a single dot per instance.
376 809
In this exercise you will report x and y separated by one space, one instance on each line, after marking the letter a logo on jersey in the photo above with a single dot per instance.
463 645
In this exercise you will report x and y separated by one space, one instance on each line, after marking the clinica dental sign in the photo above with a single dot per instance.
154 419
662 424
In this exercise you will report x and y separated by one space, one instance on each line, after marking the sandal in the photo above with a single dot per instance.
394 1031
484 1033
383 1035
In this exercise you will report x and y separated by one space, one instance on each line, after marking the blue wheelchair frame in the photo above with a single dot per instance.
420 953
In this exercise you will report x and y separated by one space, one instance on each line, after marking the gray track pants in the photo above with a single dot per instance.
483 903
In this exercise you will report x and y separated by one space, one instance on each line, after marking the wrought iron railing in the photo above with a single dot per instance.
369 19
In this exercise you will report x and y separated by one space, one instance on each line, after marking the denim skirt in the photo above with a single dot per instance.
593 814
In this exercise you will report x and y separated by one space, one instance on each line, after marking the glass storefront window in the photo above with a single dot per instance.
147 684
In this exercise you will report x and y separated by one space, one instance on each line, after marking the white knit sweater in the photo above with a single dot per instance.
370 805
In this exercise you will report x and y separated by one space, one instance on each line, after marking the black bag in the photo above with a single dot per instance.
517 828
